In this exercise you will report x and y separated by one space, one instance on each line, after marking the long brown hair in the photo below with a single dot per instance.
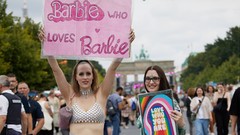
75 85
195 94
163 85
191 92
208 87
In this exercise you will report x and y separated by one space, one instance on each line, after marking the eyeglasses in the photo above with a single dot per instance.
154 79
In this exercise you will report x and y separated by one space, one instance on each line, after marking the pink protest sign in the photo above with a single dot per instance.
87 28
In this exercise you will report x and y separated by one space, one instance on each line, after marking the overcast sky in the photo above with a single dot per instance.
168 29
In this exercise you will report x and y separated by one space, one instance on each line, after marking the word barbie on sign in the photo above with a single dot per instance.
87 28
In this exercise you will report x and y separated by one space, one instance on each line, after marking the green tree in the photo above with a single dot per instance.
229 71
210 65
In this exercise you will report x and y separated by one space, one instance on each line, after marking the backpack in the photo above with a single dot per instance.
110 108
133 106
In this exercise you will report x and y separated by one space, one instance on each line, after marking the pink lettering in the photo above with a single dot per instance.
75 11
61 37
86 50
109 48
118 15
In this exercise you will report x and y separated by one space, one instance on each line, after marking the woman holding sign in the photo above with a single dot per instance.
155 80
83 95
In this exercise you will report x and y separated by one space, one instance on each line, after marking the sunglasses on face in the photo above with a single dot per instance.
154 79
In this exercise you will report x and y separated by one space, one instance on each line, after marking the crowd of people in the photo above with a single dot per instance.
37 112
38 115
89 103
215 107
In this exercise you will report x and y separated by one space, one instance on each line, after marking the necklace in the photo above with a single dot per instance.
85 93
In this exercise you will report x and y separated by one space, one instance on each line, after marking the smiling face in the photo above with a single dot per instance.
210 89
84 76
199 92
152 81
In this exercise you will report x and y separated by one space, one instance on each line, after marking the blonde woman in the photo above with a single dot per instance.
222 116
89 101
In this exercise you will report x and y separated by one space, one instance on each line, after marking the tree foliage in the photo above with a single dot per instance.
219 63
20 52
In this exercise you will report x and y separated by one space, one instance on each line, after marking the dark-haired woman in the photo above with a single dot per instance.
155 80
203 107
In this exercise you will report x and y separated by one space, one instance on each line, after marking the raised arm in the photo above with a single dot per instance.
62 83
108 81
60 78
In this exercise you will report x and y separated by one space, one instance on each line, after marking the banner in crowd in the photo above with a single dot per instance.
155 110
87 28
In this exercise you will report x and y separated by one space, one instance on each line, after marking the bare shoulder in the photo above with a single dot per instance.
227 94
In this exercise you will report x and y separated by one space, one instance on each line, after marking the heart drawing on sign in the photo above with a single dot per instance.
97 30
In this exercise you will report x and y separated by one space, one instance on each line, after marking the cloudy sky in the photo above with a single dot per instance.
168 29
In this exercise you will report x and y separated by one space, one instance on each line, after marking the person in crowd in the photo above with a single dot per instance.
62 101
13 86
89 101
107 126
133 100
36 110
13 119
230 90
63 104
119 105
155 80
210 93
222 116
55 105
202 105
235 112
126 111
175 95
182 98
48 116
190 94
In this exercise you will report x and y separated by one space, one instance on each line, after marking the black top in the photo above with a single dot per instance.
25 102
187 104
36 111
234 108
224 104
14 109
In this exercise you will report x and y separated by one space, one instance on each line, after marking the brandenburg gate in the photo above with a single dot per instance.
139 66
